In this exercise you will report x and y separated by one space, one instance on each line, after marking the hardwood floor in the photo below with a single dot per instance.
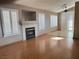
42 48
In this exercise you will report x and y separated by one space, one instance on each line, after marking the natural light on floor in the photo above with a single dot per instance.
57 38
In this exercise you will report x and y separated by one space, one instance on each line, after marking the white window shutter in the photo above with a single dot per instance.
41 21
6 22
14 18
53 21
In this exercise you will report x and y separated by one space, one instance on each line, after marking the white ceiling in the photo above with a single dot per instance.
51 5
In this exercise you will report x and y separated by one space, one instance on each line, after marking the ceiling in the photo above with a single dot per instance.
6 1
50 5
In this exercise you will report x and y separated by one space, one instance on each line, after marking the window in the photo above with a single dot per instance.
53 21
70 23
41 21
6 22
14 18
9 22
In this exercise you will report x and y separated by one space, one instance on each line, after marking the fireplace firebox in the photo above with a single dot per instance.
30 33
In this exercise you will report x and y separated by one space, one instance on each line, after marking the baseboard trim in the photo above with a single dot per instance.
74 38
11 44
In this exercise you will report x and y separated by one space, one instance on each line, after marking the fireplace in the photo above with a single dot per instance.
30 32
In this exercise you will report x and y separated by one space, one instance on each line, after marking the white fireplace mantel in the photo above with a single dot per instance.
28 25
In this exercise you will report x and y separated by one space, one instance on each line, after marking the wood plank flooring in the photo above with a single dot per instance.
42 48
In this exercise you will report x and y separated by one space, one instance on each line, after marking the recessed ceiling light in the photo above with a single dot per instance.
57 38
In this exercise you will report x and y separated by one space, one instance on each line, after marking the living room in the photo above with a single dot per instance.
39 29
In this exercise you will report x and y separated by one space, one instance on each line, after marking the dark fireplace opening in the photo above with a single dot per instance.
30 33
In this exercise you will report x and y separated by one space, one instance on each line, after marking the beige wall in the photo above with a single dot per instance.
59 21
